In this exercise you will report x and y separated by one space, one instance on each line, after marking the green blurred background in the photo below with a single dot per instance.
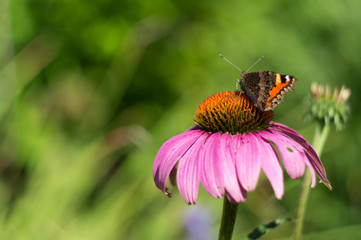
89 91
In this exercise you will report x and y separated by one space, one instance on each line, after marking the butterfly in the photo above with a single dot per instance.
266 89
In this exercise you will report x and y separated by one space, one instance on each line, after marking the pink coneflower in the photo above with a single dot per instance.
227 149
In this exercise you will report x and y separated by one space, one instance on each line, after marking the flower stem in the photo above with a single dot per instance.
321 135
228 220
319 140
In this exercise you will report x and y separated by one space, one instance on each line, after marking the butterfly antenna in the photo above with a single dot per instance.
230 62
255 63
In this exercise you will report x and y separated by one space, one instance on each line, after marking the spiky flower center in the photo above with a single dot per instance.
231 112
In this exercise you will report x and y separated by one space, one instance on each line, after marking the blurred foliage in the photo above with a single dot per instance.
89 90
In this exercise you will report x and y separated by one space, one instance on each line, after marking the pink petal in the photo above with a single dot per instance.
248 161
188 174
313 175
226 168
271 166
170 153
293 158
311 153
209 156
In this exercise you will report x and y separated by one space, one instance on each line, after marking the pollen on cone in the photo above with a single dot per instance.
231 112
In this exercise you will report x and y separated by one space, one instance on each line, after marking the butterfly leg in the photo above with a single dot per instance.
238 84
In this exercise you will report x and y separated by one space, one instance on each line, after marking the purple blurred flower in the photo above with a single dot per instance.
229 162
198 224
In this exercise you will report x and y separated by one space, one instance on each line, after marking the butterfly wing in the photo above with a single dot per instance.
283 84
257 86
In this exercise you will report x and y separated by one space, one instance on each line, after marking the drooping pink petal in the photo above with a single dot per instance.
293 158
248 161
312 155
170 153
170 146
310 167
188 174
209 157
227 169
271 166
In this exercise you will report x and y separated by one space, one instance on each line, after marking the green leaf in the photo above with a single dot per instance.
261 230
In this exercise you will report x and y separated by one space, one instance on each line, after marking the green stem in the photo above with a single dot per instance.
321 135
319 140
228 220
